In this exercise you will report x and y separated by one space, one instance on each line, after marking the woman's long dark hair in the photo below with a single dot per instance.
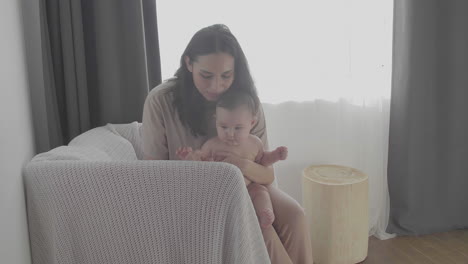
191 106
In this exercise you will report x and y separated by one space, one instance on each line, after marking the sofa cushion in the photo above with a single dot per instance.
107 140
72 153
131 132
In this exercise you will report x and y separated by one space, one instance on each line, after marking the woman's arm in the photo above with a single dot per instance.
251 170
154 139
257 173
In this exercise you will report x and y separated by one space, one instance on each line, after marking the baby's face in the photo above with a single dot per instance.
233 126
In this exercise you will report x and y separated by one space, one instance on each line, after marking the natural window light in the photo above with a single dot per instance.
297 50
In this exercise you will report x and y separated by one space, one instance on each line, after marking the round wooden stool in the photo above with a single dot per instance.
335 199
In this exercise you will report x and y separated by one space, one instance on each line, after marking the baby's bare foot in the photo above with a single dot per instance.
266 218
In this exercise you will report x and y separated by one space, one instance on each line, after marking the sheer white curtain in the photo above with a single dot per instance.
322 69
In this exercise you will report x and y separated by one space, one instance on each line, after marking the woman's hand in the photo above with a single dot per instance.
231 158
252 171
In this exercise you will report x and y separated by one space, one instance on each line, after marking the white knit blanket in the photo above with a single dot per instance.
94 202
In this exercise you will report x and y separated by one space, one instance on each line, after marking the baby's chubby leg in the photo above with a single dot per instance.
262 204
247 181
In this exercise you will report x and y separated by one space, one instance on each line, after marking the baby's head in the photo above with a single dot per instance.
236 112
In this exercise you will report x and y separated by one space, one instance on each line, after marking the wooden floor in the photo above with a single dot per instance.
444 248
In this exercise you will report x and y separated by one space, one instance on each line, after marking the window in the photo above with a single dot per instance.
297 50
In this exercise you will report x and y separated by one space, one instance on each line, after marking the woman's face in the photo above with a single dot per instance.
212 74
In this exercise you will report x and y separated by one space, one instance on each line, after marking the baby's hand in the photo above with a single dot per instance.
282 152
187 153
183 153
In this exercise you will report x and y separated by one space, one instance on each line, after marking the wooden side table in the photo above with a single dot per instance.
335 199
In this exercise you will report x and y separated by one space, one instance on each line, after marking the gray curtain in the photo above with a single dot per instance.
428 151
100 58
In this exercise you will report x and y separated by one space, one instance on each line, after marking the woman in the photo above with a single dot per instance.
179 112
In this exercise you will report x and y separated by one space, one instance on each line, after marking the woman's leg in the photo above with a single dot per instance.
291 226
275 248
262 204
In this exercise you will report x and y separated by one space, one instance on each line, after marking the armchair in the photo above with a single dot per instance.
94 201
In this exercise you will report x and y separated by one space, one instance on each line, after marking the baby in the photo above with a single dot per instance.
235 117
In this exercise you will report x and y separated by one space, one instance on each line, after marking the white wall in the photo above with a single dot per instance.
16 135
